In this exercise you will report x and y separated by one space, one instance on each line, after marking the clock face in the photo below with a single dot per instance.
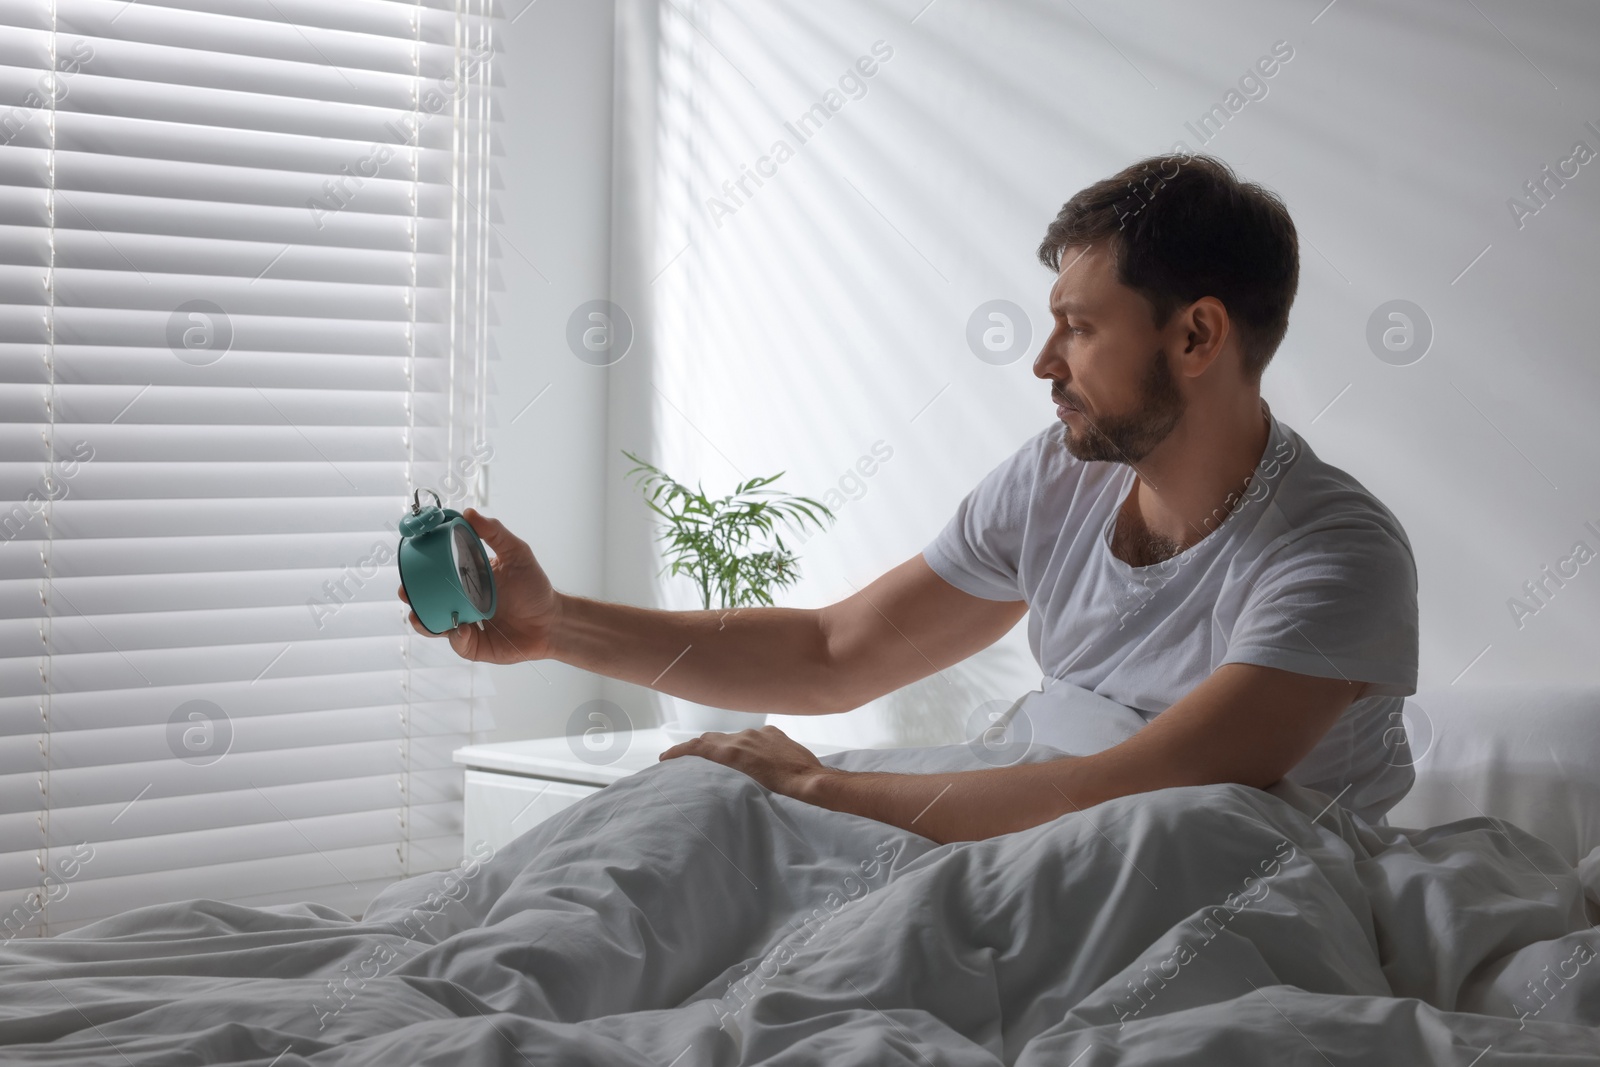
472 567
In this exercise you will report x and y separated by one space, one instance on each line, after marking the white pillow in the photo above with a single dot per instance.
1527 754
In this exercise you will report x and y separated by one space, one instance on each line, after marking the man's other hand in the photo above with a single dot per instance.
768 755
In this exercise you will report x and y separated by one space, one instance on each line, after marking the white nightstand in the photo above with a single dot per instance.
513 786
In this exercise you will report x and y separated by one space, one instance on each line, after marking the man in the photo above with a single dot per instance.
1177 548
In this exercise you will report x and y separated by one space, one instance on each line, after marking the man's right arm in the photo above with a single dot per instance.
903 626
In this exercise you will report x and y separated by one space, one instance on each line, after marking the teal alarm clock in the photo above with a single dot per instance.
444 567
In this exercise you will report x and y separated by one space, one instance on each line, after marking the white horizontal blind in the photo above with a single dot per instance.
243 303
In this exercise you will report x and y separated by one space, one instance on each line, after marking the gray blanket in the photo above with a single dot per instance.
687 916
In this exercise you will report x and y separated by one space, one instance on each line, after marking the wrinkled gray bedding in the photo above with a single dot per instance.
686 916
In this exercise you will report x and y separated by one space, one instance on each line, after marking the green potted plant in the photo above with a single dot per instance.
730 548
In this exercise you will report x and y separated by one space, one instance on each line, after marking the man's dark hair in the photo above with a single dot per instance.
1183 227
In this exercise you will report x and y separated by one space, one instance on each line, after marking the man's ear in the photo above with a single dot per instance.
1203 332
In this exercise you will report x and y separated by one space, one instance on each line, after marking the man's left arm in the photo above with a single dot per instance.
1245 723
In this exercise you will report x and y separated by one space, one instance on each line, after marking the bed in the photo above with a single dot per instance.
686 916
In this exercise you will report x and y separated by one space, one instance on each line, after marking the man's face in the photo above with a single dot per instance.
1111 380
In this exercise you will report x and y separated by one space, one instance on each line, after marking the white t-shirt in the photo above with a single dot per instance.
1310 574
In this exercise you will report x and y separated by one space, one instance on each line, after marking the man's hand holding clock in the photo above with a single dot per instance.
528 606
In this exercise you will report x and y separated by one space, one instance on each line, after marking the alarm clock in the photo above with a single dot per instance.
444 566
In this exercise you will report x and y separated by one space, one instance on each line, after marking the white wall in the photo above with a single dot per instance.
552 219
829 310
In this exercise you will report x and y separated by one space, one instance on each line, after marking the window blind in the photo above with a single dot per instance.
244 266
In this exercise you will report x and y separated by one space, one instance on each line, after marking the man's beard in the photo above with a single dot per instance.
1129 438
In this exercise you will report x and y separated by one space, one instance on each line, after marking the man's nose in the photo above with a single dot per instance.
1046 364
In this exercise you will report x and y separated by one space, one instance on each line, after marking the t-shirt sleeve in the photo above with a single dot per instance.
979 551
1336 602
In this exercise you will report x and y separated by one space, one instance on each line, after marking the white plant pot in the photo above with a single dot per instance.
687 719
